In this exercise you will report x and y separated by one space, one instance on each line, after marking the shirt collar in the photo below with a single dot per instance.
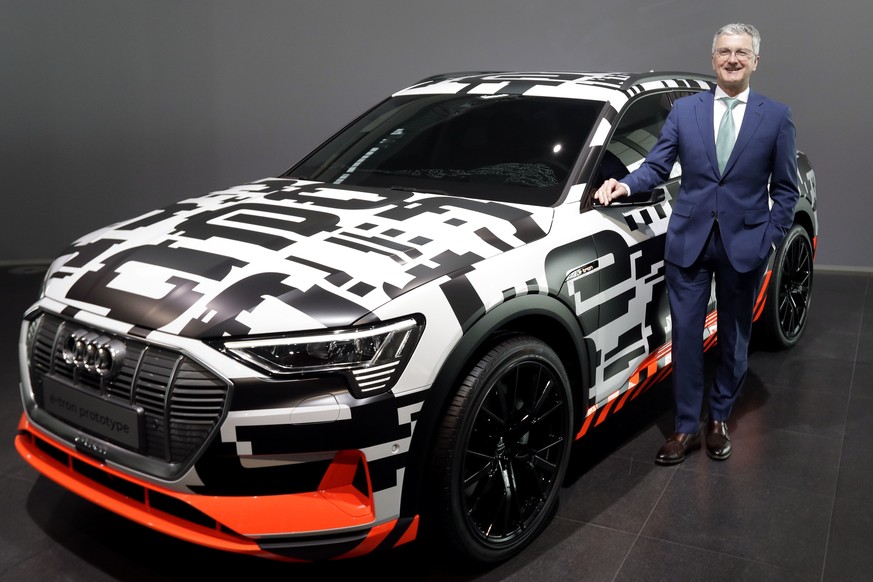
743 96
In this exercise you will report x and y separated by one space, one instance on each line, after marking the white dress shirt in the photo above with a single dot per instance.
719 107
718 112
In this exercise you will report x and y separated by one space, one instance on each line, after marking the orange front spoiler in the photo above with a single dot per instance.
336 506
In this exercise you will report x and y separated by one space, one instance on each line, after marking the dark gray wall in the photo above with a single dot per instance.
111 108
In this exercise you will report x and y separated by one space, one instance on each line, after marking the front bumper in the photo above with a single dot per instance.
335 521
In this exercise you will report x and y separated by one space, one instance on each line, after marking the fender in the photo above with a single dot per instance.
542 316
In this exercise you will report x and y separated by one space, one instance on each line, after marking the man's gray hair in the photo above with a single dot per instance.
739 28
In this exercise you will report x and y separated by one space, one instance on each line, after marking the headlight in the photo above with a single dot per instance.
371 357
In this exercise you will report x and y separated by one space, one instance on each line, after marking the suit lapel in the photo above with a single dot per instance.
751 120
703 111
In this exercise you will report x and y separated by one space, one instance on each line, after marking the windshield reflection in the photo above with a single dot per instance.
509 148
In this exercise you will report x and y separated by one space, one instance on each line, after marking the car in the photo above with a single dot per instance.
402 337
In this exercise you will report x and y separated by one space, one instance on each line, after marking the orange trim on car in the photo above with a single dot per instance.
337 504
762 296
651 370
410 534
377 536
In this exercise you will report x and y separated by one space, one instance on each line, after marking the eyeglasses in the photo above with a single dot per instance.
741 54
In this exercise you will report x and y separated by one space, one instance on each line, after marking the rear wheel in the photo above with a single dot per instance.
502 451
789 292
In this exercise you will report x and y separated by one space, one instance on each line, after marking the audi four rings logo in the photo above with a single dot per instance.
94 353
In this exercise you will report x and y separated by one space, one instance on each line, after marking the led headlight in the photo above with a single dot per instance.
371 357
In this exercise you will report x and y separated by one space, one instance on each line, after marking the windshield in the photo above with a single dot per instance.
507 148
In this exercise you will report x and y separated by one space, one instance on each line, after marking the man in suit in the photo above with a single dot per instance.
722 225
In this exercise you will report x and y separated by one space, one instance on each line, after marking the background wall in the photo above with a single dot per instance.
112 108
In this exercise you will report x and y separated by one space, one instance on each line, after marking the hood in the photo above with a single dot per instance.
281 255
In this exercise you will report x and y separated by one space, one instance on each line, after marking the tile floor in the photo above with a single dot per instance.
792 503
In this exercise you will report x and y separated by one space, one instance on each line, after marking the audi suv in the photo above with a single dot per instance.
403 334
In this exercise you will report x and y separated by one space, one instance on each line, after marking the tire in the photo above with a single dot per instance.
502 450
789 292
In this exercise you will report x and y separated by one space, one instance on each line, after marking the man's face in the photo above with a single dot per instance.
734 62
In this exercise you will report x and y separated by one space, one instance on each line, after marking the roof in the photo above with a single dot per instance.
567 83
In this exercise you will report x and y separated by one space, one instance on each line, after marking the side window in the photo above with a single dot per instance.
638 130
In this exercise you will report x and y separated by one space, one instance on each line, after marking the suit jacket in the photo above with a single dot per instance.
762 167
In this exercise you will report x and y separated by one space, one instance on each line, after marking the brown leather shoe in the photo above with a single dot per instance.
718 442
676 447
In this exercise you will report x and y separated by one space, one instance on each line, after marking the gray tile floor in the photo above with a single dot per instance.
792 503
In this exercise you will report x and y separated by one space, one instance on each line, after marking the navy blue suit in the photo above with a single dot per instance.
721 225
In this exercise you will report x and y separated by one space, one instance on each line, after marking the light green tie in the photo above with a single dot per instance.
724 142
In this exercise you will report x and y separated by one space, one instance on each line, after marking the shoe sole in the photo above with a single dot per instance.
667 462
718 457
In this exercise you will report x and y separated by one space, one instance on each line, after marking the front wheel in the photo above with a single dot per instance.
789 292
502 451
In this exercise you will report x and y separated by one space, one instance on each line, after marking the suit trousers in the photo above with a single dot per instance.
689 290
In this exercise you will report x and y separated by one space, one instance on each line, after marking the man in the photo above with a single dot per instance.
721 226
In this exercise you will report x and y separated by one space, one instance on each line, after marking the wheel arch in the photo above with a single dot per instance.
805 209
540 316
804 217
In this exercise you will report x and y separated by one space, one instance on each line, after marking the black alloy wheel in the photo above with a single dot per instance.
502 451
789 292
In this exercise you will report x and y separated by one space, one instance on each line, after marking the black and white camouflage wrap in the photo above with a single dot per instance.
283 256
